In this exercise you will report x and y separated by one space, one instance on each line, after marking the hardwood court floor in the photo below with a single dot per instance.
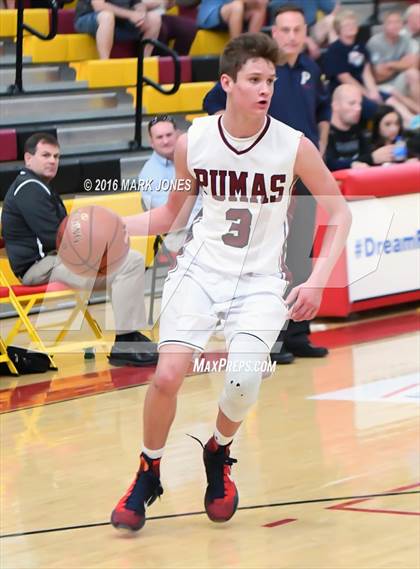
328 464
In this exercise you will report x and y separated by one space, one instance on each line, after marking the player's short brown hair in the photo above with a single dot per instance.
248 46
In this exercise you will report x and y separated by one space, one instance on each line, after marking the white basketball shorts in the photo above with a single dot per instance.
195 298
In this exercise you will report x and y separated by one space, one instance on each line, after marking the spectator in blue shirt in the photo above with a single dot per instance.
163 135
347 61
159 171
300 101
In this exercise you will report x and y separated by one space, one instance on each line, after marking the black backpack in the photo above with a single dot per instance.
26 361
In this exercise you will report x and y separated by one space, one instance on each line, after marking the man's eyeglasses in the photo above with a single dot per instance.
161 118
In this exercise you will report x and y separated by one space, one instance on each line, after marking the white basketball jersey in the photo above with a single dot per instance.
246 194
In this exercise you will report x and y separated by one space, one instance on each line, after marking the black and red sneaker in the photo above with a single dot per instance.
221 498
130 512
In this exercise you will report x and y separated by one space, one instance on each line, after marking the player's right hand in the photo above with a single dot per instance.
304 302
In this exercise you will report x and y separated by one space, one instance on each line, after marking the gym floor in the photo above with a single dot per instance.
328 462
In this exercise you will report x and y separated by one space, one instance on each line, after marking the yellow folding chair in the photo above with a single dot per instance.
24 298
4 356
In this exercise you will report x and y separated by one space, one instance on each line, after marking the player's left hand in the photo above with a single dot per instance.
303 302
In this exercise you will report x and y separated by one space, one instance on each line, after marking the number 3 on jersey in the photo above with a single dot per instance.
238 235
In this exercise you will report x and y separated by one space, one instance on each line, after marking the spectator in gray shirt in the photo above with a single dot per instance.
412 26
395 62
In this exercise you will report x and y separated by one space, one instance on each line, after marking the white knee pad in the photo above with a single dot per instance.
246 363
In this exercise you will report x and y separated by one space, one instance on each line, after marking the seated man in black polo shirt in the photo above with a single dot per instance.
31 215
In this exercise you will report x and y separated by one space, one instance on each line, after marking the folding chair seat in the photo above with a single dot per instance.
24 298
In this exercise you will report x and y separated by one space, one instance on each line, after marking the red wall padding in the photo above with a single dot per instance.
380 181
8 144
166 69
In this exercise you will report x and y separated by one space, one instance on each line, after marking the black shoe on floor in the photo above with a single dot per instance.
145 343
307 350
135 350
282 357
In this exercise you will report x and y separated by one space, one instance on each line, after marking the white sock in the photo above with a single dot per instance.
221 439
153 454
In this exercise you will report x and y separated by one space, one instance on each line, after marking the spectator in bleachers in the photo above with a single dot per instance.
323 31
395 61
348 146
347 61
163 135
320 30
179 29
232 14
412 25
32 213
387 126
159 171
388 129
121 20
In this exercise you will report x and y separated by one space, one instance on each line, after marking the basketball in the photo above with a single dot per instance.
92 241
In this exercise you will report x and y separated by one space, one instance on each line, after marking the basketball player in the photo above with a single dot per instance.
245 164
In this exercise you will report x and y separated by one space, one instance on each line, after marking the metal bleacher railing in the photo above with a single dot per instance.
17 87
136 144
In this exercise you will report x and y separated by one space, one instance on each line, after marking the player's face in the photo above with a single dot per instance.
389 127
289 31
45 160
393 25
348 31
163 137
350 108
252 91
